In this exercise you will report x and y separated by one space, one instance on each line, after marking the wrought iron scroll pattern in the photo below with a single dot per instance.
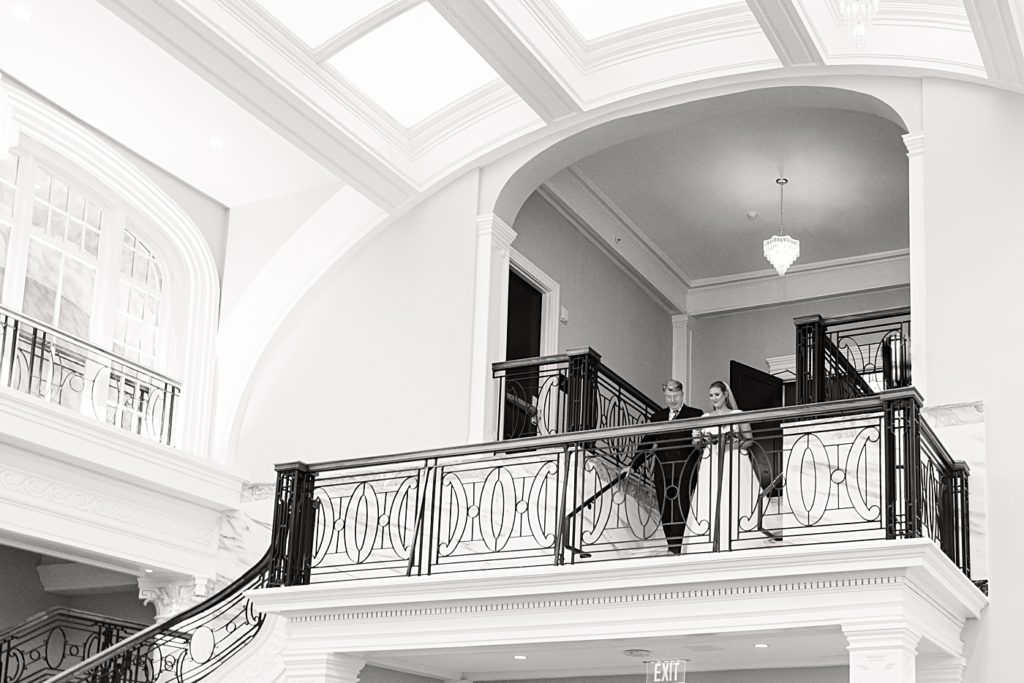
43 362
831 473
188 647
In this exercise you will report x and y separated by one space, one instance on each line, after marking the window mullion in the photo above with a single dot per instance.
107 277
21 233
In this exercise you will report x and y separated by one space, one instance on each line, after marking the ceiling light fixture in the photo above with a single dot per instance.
781 250
518 656
9 132
857 15
636 652
760 644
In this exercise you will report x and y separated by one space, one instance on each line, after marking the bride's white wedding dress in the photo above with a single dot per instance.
725 501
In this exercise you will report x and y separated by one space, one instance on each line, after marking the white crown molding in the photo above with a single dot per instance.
34 426
374 20
787 29
578 199
910 583
197 283
782 366
870 272
998 27
914 142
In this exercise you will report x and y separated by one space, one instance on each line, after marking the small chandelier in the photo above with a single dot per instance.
781 250
8 127
857 14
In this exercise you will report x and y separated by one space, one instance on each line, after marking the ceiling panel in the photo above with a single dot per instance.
414 65
596 19
315 21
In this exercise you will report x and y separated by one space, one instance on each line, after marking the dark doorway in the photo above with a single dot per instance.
522 340
524 308
757 390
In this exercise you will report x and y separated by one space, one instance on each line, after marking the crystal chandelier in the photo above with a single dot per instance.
781 250
857 14
8 127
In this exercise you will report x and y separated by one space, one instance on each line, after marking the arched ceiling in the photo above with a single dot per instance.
393 96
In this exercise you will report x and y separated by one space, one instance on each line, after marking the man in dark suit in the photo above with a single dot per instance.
675 462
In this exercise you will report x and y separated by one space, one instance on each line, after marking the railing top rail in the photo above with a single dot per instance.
808 410
940 449
142 636
55 613
530 362
50 329
866 317
629 388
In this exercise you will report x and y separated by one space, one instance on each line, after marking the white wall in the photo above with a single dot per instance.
380 361
256 231
607 310
752 336
974 240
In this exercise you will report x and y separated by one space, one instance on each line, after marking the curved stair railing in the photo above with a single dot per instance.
51 641
188 647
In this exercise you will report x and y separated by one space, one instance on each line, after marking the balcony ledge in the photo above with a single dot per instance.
905 583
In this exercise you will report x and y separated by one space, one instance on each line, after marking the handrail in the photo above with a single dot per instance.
866 317
56 612
50 329
530 362
847 367
167 626
797 412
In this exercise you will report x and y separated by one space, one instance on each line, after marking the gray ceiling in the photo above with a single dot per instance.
689 189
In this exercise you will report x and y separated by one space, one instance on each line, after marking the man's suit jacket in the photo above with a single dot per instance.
675 445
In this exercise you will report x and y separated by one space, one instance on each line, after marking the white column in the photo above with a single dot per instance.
940 669
681 350
490 313
321 667
881 654
918 280
173 595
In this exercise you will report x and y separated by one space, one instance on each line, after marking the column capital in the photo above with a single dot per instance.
172 595
493 225
914 143
321 667
680 320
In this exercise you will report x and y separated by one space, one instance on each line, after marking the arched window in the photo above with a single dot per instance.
83 298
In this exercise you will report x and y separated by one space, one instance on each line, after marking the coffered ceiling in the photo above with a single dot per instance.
392 96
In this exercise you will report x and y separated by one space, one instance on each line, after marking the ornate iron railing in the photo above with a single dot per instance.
565 393
862 469
55 640
42 361
188 647
850 356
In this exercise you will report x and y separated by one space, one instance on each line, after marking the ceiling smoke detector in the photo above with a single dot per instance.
636 652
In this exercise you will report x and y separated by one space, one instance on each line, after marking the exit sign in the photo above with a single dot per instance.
666 671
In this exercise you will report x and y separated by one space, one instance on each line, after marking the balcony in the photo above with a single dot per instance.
41 361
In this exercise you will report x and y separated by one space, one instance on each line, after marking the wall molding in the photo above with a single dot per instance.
195 281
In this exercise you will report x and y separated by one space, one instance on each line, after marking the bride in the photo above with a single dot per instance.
713 509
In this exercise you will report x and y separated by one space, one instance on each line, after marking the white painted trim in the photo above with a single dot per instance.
681 349
782 366
884 270
550 299
909 583
490 318
197 281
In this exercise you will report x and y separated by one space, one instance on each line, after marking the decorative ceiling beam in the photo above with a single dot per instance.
787 31
998 27
484 29
207 53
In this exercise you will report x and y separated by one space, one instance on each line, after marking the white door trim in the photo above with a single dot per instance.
550 306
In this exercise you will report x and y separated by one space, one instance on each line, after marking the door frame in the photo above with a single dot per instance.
550 310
